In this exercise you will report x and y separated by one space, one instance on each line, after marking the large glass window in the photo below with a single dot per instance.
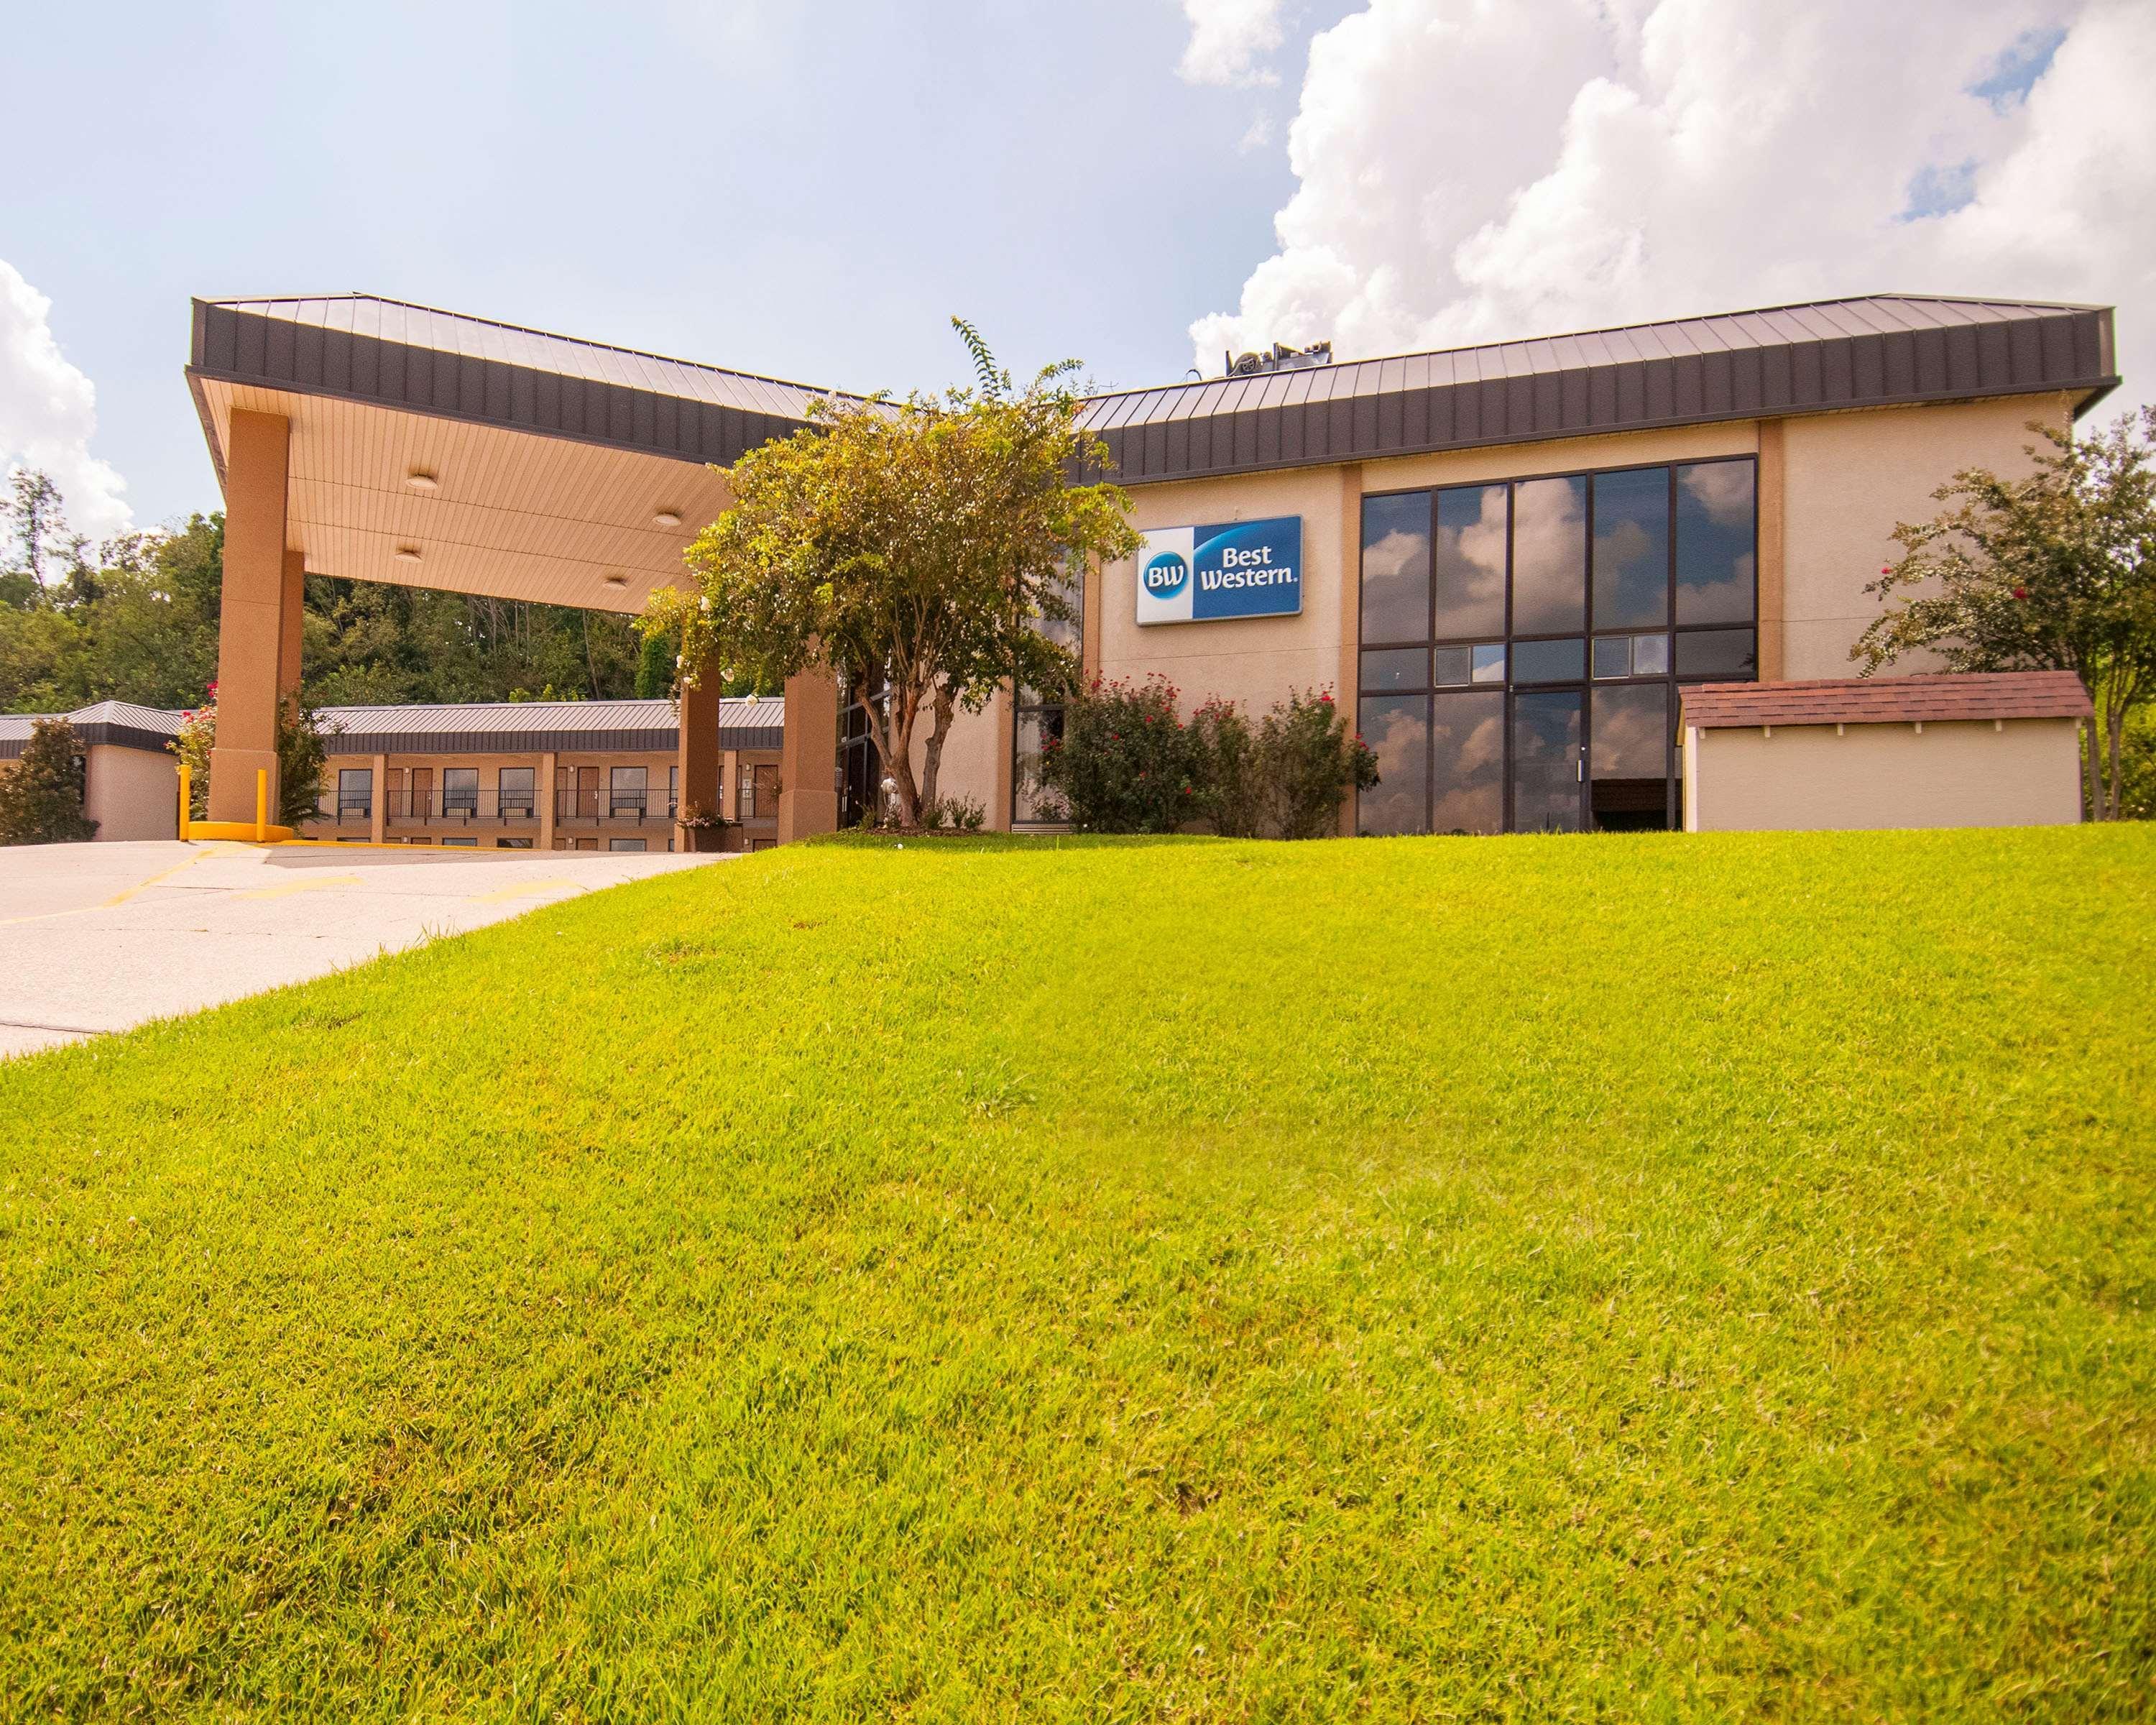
1396 568
1397 729
1632 548
1549 557
1630 783
514 791
1471 524
1563 614
627 787
1467 763
355 793
1716 543
460 790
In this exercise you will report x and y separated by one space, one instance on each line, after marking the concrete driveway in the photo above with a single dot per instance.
99 937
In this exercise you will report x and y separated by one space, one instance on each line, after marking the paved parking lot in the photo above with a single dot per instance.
98 938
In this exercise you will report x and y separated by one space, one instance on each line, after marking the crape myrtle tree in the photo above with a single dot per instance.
914 548
2053 571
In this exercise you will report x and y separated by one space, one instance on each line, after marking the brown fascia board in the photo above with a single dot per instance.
655 741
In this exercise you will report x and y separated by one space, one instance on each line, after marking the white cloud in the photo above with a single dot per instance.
1230 40
49 412
1488 170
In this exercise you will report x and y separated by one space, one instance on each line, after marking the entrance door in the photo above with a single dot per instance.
588 794
1548 789
422 793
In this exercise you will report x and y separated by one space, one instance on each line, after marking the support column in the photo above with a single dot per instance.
546 801
377 824
293 602
808 758
729 784
251 629
699 747
1773 568
1348 694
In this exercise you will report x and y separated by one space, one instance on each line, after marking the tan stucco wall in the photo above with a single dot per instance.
975 761
1254 660
1804 777
131 794
1849 478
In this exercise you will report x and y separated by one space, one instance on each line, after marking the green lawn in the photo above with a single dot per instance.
1643 1278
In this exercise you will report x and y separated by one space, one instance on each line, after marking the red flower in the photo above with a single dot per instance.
1886 568
2020 593
1326 697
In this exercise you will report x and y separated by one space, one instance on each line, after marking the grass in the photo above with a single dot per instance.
1652 1278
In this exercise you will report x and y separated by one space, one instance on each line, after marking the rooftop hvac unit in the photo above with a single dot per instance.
1282 358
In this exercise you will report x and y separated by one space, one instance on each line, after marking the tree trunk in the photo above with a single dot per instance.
932 756
2115 723
893 735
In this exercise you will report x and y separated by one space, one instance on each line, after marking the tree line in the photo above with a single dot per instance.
135 618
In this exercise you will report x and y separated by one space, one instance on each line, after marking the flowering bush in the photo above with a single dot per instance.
1311 760
302 761
1126 761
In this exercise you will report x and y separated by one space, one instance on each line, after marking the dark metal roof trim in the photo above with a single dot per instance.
652 741
250 347
1884 350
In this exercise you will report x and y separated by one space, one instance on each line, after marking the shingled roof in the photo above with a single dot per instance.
1887 701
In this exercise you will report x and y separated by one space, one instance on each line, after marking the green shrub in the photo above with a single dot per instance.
302 761
1126 761
1308 761
41 794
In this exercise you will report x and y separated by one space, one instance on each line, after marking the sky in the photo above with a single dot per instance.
811 191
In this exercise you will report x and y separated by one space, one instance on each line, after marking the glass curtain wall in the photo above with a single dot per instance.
1523 641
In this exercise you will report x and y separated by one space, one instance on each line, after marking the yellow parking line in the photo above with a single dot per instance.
313 883
124 894
523 889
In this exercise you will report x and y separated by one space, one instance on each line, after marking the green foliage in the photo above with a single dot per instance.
922 550
302 761
655 667
41 791
1126 761
1653 1277
137 619
2054 571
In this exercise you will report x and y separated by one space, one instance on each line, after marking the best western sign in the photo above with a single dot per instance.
1209 574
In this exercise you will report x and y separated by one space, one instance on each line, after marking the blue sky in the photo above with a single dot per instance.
812 190
809 192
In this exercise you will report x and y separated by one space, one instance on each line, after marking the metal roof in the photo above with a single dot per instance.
363 347
1937 699
497 727
538 727
121 723
1880 351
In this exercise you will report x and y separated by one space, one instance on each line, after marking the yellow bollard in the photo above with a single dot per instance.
262 805
187 798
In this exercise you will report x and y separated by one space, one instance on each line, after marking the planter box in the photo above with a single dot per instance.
701 838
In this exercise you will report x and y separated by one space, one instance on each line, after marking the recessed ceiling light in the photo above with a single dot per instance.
617 581
420 479
408 554
667 518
